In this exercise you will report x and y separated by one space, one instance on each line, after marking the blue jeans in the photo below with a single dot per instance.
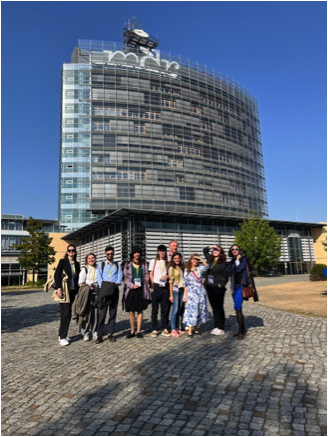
176 309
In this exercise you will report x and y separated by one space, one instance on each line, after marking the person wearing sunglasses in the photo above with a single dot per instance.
237 269
71 267
216 281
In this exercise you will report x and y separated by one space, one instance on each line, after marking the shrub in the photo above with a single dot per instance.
39 283
316 273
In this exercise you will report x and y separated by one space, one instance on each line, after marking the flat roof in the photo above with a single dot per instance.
125 212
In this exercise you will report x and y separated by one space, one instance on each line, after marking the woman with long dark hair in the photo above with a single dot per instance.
136 294
216 281
176 292
71 267
240 276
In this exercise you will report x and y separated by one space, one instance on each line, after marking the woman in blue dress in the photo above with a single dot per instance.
194 294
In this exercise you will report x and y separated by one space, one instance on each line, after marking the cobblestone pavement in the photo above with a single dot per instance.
271 383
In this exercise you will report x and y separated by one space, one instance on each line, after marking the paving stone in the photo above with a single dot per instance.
273 382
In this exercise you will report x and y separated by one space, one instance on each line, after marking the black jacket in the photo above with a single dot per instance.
218 271
65 265
105 294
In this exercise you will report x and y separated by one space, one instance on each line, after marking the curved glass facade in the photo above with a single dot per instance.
155 132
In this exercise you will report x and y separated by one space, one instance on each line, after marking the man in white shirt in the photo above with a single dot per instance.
158 269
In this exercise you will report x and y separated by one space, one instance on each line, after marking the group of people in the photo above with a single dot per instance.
178 288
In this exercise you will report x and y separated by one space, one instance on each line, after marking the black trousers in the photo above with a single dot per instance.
216 298
112 309
66 315
160 297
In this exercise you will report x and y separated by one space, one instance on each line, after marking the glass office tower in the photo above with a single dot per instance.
145 130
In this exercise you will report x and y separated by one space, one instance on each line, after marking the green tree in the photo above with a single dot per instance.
259 242
35 250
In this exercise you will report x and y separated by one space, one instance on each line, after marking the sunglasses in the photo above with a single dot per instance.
109 253
234 250
71 250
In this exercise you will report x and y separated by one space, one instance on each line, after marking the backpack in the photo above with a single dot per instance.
103 266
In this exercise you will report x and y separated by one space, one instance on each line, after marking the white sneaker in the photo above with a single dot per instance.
63 342
95 336
217 331
86 337
166 333
67 338
154 334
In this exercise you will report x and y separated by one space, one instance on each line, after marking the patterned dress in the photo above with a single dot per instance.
196 308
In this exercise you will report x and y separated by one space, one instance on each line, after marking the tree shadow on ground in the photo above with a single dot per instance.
14 319
193 389
19 293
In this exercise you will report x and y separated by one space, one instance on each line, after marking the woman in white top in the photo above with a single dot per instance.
88 275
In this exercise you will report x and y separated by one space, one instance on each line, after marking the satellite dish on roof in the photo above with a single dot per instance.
146 51
141 32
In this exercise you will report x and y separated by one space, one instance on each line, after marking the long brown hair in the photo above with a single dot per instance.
188 263
222 257
173 264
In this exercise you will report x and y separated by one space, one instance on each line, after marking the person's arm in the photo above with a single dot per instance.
242 264
171 279
202 260
206 252
145 272
58 277
120 274
151 273
99 274
225 276
128 277
82 277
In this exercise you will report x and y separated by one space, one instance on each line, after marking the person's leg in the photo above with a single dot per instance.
154 309
101 321
87 324
220 309
169 312
164 306
65 317
94 312
183 306
174 312
238 302
132 321
139 321
112 312
212 293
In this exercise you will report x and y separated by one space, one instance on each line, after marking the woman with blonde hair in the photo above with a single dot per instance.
88 275
194 294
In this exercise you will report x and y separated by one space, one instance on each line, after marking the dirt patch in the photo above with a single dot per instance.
309 298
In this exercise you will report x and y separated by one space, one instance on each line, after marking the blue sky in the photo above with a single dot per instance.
276 50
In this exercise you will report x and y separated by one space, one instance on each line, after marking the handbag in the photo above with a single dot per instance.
247 292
